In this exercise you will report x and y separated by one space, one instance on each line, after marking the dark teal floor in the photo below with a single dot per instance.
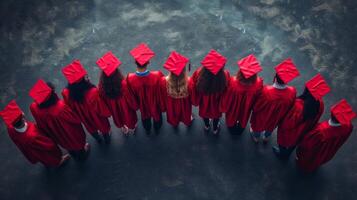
38 38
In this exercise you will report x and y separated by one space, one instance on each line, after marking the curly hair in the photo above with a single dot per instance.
177 86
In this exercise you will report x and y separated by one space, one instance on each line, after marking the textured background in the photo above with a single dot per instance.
38 38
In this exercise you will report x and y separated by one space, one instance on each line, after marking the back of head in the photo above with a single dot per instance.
141 66
110 86
52 100
311 106
177 85
278 79
77 90
208 83
246 81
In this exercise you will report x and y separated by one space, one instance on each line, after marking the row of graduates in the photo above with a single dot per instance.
241 97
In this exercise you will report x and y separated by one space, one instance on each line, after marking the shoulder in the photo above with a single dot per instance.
65 92
131 75
157 73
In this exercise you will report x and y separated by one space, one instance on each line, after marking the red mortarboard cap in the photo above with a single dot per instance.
40 92
175 63
108 63
343 112
317 86
11 113
249 66
287 70
214 61
142 53
74 72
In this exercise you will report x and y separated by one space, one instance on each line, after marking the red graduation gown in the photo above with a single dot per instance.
292 127
93 114
237 102
123 108
35 146
177 109
320 145
61 124
145 90
208 104
270 107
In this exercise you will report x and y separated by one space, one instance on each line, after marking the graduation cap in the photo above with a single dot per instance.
175 63
317 86
249 66
214 61
40 92
108 63
343 112
74 72
11 113
287 70
142 53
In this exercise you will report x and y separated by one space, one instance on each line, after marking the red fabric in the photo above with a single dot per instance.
317 86
287 70
61 124
142 53
74 72
175 63
343 112
144 89
208 104
35 146
249 66
237 102
292 127
108 63
92 112
177 109
320 145
270 107
123 108
214 61
11 113
40 92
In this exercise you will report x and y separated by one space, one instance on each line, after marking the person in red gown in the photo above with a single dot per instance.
175 91
274 102
302 117
83 97
321 144
143 86
243 90
33 144
209 84
54 118
113 92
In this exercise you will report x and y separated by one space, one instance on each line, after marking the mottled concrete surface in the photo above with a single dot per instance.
39 37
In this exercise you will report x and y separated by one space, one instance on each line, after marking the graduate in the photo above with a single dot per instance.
35 146
83 97
57 120
302 117
210 82
274 102
144 87
320 145
175 89
113 92
243 90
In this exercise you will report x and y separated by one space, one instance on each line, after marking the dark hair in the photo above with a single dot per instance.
278 79
208 83
77 90
247 81
110 86
19 122
52 99
311 105
142 66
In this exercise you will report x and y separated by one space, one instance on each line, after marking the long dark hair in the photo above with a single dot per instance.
247 81
52 99
311 105
208 83
77 90
110 86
